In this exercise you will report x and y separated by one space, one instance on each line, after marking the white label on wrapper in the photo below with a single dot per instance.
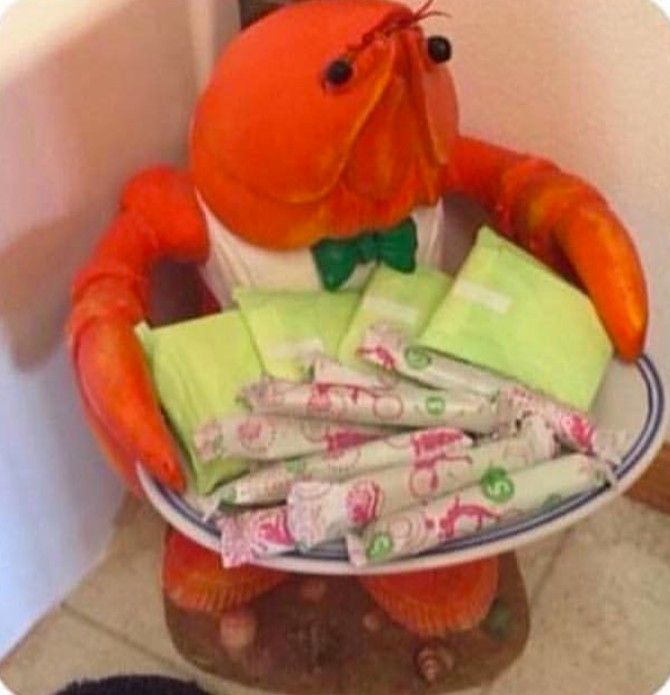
390 309
305 348
479 294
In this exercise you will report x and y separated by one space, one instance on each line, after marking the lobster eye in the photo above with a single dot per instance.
439 49
339 72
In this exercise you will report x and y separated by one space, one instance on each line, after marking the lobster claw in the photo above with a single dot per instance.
159 218
565 222
603 256
118 396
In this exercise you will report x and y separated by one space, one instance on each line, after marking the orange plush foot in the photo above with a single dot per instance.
435 602
194 579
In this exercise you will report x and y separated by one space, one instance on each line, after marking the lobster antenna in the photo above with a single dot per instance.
393 22
424 12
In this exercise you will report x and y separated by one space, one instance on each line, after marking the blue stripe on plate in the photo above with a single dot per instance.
336 551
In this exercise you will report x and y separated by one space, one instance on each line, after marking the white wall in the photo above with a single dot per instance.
587 84
664 5
90 91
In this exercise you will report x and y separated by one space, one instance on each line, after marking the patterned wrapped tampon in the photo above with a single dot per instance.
254 535
498 496
403 406
390 349
271 483
572 428
321 511
326 370
272 437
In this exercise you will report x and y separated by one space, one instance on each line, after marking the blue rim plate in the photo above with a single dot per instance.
632 398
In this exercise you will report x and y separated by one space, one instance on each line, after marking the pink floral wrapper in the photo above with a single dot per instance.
573 428
387 347
321 511
326 370
271 483
403 406
272 437
498 497
254 535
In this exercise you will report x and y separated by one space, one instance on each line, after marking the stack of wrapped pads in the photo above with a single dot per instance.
399 418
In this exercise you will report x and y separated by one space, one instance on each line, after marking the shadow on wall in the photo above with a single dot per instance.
77 119
664 6
33 289
75 126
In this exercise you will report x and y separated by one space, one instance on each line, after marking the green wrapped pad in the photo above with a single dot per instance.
198 368
508 313
290 327
403 300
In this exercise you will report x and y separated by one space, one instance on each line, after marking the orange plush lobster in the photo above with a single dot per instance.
325 119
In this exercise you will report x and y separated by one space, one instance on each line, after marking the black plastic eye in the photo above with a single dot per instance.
339 72
439 49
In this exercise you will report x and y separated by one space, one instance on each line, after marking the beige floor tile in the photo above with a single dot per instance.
601 624
536 561
123 593
63 648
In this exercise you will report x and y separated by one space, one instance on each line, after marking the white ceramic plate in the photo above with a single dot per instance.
632 398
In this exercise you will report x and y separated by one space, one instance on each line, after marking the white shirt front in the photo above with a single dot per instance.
234 262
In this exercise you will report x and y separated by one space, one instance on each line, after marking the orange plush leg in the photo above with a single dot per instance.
435 602
195 581
566 223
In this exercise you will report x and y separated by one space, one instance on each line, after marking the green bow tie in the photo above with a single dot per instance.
336 259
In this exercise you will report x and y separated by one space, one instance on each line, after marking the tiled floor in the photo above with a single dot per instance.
600 597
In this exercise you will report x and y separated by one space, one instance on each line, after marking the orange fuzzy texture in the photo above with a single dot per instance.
432 603
194 580
286 160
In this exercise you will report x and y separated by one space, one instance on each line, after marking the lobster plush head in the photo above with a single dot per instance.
323 119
